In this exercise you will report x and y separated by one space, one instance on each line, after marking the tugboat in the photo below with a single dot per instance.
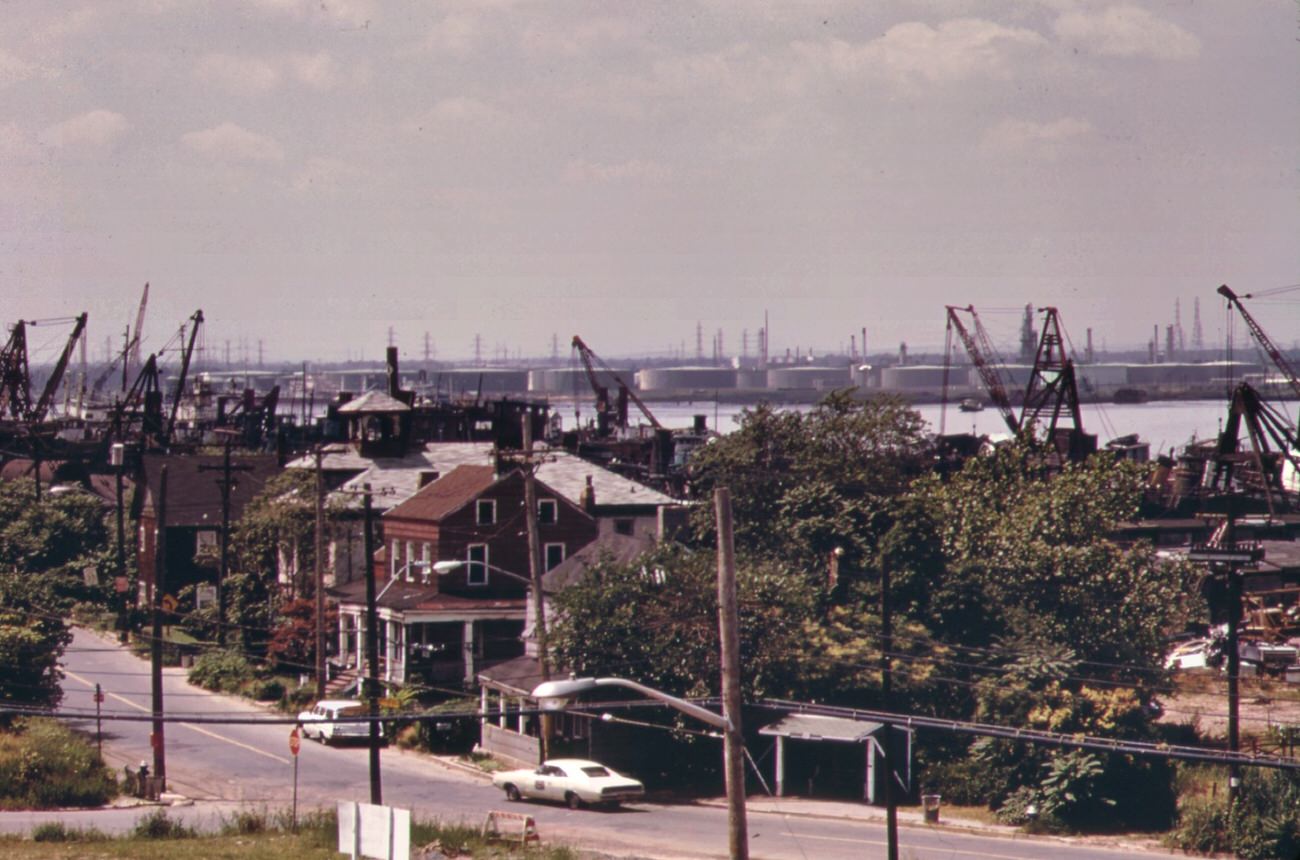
971 404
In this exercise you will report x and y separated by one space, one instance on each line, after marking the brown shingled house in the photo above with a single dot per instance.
445 628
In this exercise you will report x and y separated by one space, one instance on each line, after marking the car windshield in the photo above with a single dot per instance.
595 770
351 711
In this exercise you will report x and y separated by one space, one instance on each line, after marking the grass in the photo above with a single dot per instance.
45 765
253 834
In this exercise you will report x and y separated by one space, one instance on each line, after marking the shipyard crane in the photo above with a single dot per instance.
979 347
1258 470
196 320
56 376
1261 337
625 391
135 338
1052 390
15 379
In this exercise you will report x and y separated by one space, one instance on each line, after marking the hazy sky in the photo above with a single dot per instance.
310 172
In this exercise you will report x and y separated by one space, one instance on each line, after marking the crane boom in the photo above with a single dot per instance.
196 320
15 378
1262 338
988 373
588 356
56 376
138 331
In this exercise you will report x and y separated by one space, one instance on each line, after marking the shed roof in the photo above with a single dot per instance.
373 402
816 727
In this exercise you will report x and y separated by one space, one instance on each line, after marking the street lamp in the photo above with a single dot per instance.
554 695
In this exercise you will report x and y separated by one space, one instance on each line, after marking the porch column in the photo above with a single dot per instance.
482 709
870 788
399 649
468 640
388 649
780 766
345 653
523 721
503 717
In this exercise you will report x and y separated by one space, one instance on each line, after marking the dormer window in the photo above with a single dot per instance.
476 572
485 512
547 511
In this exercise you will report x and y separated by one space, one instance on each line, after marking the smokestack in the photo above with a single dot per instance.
391 368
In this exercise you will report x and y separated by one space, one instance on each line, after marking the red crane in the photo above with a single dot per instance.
979 347
602 393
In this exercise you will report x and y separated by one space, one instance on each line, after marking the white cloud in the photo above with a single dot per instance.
317 71
635 171
230 142
13 69
954 51
456 34
238 74
16 146
96 129
1026 138
349 13
457 112
1127 31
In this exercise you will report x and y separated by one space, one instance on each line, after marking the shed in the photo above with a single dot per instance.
818 728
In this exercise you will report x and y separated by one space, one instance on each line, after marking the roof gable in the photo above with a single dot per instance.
446 495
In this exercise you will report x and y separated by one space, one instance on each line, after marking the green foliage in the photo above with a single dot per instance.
60 532
803 485
243 822
57 831
1264 822
656 618
221 671
45 765
157 825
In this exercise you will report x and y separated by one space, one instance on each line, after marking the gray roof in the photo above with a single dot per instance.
816 727
393 480
373 402
618 548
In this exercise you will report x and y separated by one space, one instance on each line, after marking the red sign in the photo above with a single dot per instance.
293 741
155 740
99 698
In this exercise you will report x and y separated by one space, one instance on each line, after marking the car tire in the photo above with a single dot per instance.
512 794
573 801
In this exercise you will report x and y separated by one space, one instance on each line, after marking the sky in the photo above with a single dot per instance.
312 173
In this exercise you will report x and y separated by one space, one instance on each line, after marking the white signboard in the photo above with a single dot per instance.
366 830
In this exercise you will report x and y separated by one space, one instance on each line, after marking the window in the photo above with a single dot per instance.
409 560
554 554
476 572
485 512
206 540
547 510
426 562
623 526
394 560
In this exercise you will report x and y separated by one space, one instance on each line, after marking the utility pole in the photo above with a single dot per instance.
372 652
535 550
117 458
320 576
156 739
733 740
225 483
886 694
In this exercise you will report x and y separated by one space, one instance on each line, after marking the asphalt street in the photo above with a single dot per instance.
226 767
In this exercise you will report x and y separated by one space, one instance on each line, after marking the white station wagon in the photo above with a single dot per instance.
321 721
573 781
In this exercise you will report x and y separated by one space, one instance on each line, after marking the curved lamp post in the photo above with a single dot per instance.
554 695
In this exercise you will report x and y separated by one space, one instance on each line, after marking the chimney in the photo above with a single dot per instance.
588 498
391 366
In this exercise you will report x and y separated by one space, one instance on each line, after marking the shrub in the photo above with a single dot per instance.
57 831
45 765
221 671
271 690
245 822
156 825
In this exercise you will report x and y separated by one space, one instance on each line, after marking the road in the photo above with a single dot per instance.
224 766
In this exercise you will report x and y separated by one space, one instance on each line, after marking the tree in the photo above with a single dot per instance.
293 641
655 620
804 485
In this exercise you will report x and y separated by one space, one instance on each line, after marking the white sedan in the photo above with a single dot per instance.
573 781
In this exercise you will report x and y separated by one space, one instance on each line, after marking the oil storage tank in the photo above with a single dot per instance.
686 378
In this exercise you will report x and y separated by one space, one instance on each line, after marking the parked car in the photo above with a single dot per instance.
322 723
573 781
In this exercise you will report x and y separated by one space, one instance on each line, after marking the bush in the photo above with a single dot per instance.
57 831
221 671
156 825
298 698
45 765
271 690
246 822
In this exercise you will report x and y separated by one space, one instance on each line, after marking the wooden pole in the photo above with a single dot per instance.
156 739
733 740
320 570
886 691
372 653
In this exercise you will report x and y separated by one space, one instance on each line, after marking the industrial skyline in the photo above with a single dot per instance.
328 178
